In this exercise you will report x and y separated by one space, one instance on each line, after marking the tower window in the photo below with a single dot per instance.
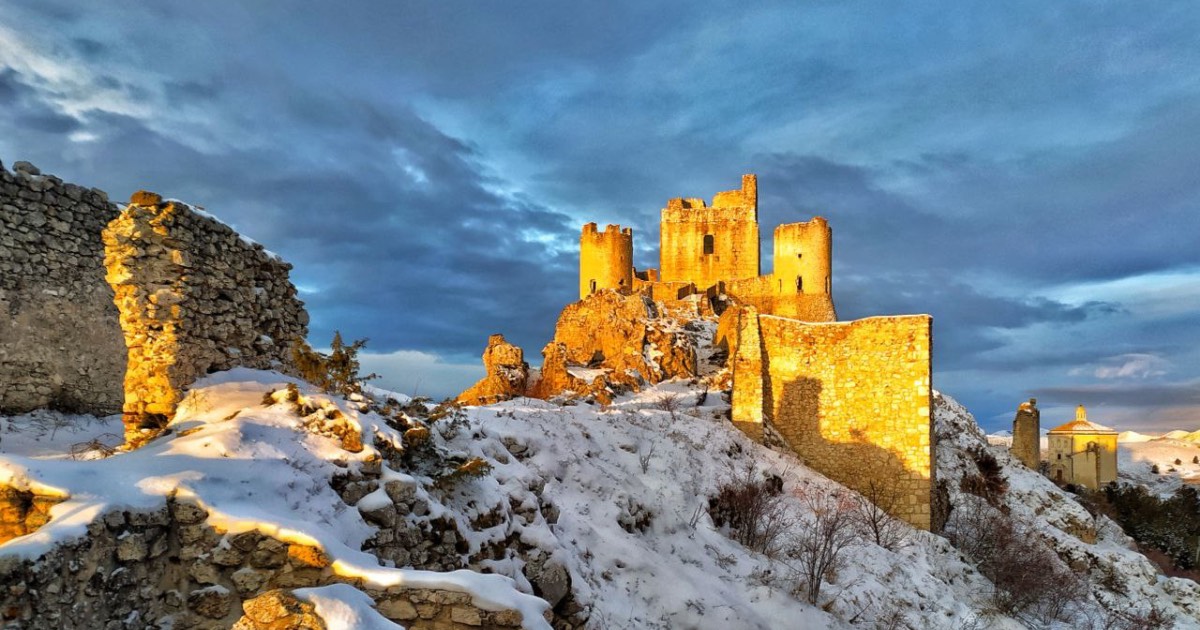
800 255
799 284
593 287
708 244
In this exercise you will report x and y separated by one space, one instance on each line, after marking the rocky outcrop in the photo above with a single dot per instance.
194 297
60 345
609 342
558 378
507 374
604 344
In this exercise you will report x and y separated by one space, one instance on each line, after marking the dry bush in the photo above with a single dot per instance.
989 483
1030 581
814 549
753 511
873 518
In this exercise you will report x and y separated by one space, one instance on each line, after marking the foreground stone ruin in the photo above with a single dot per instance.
60 345
171 566
194 298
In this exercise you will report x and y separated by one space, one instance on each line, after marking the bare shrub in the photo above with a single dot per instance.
671 403
646 454
1030 581
989 483
753 510
1152 619
873 510
815 547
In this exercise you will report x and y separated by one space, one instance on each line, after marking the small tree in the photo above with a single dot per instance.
873 510
817 544
336 372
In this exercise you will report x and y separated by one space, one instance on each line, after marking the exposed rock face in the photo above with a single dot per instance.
507 373
60 344
194 297
625 335
603 344
557 378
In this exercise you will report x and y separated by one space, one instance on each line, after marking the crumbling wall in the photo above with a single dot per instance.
172 568
194 297
60 345
1027 435
852 399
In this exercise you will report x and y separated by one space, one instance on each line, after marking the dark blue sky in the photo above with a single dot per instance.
1025 173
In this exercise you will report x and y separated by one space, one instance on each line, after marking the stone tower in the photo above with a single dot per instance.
804 258
605 259
1027 434
705 245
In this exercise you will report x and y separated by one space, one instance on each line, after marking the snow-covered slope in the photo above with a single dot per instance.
617 496
1119 578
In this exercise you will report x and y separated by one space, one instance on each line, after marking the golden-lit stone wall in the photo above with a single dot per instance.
730 229
60 344
852 399
194 297
605 259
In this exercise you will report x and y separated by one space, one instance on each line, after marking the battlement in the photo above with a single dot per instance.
729 205
610 231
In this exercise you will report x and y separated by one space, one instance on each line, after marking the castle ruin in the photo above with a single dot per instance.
852 399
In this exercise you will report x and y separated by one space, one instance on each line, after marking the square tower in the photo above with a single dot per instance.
705 245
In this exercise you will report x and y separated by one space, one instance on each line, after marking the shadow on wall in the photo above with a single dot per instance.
852 449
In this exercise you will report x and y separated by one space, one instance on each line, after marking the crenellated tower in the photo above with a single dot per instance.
804 258
605 259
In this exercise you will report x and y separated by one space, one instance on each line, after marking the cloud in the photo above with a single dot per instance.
420 373
1127 366
431 192
1139 395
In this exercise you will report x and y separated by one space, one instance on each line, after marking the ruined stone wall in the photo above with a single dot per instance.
852 399
60 345
171 568
605 259
194 297
732 224
1027 435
